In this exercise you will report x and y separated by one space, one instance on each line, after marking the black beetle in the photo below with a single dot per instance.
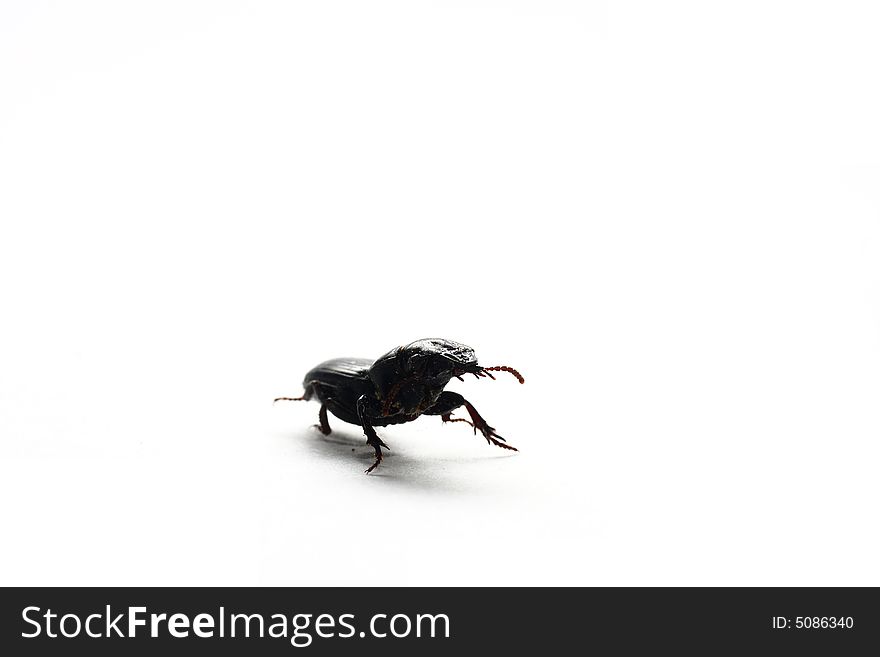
399 387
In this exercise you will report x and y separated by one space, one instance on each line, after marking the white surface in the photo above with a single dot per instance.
666 216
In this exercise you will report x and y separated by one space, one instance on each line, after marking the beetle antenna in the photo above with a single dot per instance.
277 399
504 368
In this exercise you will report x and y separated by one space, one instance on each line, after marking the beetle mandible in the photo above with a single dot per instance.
399 387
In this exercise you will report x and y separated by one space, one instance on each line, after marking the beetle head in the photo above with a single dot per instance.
436 360
412 377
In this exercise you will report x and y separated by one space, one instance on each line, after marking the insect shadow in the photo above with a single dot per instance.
402 469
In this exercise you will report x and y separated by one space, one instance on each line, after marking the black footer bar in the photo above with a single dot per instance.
430 621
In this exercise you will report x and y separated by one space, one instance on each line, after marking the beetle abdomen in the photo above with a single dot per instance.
338 371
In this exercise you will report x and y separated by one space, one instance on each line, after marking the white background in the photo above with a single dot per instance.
664 214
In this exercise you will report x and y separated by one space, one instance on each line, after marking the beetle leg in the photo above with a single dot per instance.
303 398
378 448
448 418
373 439
484 428
324 425
376 443
449 401
307 395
